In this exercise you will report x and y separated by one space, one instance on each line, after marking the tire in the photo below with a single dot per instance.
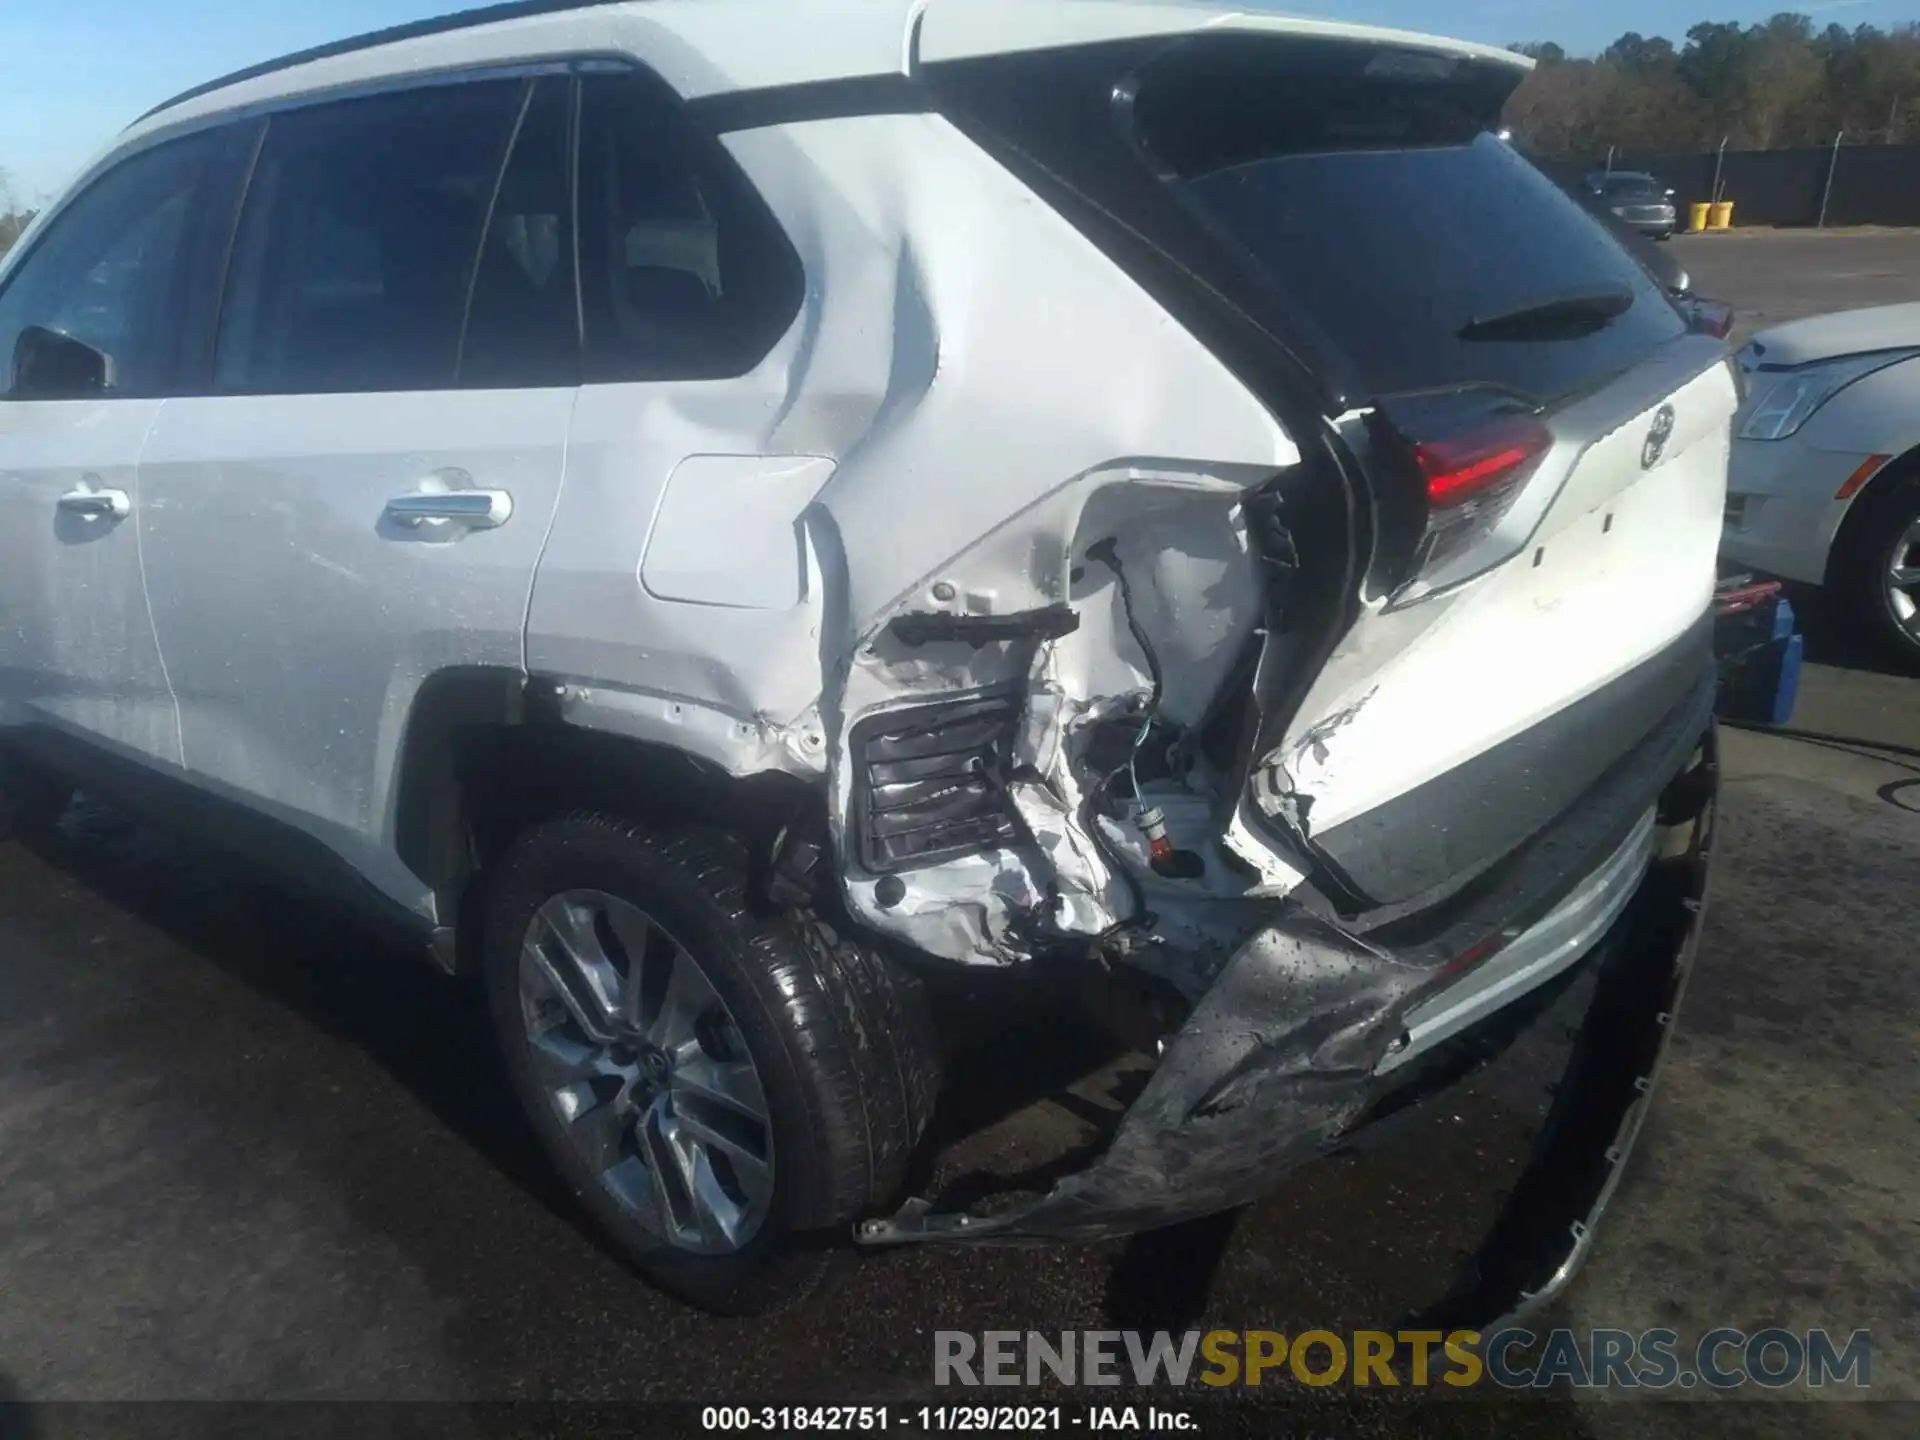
32 800
839 1041
1884 522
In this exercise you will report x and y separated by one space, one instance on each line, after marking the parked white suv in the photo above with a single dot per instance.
706 512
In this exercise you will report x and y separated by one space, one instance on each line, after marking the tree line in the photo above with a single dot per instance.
1757 87
14 217
1776 85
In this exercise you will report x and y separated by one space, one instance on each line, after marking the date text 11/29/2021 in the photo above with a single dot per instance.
979 1419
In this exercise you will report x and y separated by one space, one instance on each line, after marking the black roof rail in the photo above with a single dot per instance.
413 30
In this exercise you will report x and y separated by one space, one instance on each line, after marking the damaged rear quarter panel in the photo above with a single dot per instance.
998 398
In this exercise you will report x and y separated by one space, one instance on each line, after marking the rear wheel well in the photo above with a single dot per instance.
483 761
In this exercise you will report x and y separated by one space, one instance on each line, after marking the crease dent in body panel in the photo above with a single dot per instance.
968 538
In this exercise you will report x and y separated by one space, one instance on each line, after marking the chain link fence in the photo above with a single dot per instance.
1836 184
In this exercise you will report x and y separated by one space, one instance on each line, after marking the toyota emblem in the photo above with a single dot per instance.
1657 436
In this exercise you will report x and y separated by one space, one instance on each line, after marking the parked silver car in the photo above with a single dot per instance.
1638 199
1824 484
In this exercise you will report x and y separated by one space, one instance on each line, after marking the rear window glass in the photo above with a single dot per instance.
1384 213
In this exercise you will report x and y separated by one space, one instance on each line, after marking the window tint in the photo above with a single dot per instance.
107 267
523 328
1364 185
684 272
355 254
1398 253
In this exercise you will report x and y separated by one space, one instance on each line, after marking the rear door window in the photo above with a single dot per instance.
357 248
1376 202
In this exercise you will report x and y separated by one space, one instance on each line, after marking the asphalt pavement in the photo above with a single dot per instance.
1771 276
250 1154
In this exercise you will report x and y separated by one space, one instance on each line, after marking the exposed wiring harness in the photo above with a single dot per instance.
1106 552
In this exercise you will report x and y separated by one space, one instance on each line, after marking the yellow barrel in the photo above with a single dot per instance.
1697 215
1722 215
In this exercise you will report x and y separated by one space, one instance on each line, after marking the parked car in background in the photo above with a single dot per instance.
1824 486
703 515
1638 199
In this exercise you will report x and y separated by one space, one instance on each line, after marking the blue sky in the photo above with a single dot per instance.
72 72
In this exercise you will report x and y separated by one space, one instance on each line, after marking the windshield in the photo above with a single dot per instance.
1634 187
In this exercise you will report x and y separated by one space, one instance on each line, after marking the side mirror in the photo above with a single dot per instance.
52 365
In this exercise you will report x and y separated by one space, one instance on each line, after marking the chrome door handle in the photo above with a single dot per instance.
97 504
475 509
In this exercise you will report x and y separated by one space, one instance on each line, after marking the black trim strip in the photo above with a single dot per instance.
202 376
576 93
1426 841
924 627
1544 1232
527 90
1522 889
374 39
840 99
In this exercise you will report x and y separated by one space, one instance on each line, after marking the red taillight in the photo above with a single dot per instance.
1463 466
1709 317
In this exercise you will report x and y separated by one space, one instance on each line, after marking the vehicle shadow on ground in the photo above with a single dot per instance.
1008 1047
1833 637
18 1420
430 1033
1332 1242
1161 1279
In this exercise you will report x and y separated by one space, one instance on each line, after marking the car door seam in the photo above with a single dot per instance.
546 538
146 594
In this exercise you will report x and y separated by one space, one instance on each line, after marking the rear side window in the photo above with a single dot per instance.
1365 187
685 274
356 251
107 270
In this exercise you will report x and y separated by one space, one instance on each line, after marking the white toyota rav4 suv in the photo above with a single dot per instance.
708 513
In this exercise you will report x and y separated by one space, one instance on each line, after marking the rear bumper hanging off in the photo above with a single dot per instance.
1286 1054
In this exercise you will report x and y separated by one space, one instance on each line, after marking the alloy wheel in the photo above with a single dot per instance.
1903 579
646 1071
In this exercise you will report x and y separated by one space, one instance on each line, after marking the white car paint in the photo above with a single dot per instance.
300 618
1618 562
971 397
77 646
957 31
1785 497
923 368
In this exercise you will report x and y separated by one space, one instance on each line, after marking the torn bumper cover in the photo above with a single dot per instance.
1287 1054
